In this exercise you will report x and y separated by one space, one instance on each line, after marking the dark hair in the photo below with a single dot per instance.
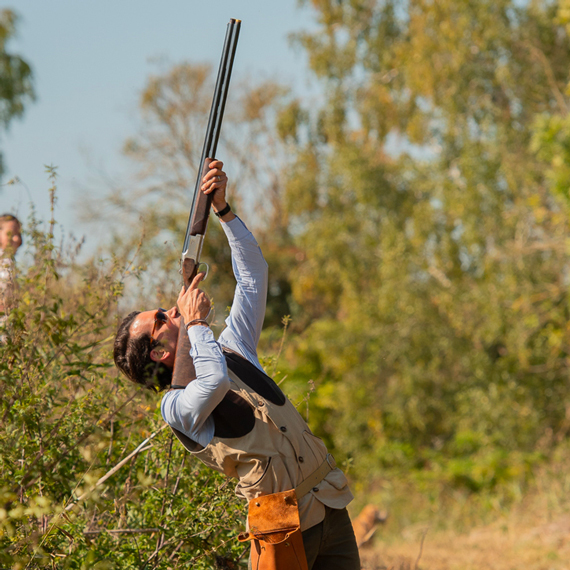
132 357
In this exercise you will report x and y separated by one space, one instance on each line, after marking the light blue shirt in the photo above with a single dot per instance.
189 410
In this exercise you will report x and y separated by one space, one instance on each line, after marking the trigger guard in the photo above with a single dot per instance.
201 265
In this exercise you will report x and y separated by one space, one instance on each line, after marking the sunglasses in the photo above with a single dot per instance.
159 319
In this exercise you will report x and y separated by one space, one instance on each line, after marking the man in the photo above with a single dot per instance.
10 241
231 415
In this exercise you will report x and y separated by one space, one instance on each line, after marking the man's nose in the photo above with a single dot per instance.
171 312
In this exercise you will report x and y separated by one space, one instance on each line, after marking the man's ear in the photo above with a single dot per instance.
159 355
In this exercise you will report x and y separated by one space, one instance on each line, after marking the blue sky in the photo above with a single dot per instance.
91 59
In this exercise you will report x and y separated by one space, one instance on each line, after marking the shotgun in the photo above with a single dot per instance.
201 203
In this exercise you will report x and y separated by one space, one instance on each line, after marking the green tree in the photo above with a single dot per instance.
433 290
16 89
89 477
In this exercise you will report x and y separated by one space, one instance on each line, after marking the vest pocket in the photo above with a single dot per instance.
337 479
252 474
273 479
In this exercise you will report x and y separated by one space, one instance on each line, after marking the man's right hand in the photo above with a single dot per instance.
193 303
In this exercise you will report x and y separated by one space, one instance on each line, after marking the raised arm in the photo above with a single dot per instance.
250 270
246 316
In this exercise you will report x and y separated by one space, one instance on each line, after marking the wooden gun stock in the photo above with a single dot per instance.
199 224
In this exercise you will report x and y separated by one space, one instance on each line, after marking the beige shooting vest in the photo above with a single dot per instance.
262 440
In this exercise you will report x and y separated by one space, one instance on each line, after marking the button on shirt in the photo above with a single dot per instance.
189 410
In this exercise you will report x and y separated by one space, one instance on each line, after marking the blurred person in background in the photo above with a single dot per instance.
10 241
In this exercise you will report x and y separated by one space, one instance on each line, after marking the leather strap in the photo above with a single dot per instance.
328 465
223 212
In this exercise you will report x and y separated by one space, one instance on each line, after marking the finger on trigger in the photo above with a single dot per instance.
197 280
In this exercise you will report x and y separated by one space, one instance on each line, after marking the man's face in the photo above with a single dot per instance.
10 236
165 333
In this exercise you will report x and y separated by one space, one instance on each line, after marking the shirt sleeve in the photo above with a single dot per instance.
245 320
189 410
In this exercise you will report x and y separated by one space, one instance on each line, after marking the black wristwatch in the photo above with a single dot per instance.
223 212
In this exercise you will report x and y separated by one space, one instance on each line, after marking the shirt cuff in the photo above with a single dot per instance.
235 229
200 333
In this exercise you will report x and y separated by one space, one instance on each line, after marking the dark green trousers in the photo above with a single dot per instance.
331 545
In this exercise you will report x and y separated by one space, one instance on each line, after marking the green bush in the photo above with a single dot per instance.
67 419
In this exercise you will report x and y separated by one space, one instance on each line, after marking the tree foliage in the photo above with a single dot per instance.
74 492
433 290
16 89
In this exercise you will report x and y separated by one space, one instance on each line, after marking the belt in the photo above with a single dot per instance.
328 465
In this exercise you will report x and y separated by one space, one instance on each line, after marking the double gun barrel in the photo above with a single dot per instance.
199 213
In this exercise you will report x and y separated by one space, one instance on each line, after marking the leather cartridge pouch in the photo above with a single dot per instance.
275 533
